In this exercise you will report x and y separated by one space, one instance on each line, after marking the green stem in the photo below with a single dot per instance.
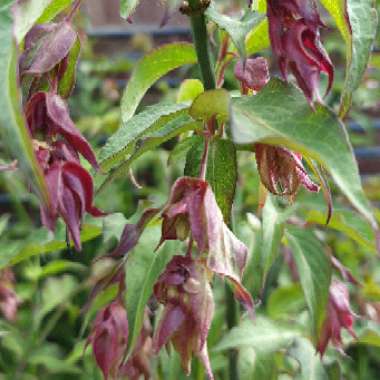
199 29
201 42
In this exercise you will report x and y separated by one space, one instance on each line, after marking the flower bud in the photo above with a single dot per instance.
339 316
109 338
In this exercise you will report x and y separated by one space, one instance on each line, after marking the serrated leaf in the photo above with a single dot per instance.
45 245
127 7
121 144
237 29
142 270
152 139
280 115
357 22
262 334
310 362
212 103
12 124
149 69
221 170
314 269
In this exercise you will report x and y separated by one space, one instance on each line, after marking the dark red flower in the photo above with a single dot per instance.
192 208
339 316
139 363
281 170
8 298
253 73
109 338
70 187
47 113
294 33
185 291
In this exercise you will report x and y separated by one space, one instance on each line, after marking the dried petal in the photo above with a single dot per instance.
192 207
46 46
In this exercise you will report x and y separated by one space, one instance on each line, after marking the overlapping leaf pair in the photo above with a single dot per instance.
70 186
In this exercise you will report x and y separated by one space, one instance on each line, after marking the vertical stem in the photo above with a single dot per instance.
199 30
201 42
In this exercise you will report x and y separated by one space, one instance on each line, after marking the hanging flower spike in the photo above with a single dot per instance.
185 292
109 338
192 207
294 34
339 315
253 74
70 187
281 171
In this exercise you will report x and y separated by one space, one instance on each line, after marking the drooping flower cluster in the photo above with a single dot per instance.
281 170
8 298
192 210
294 33
57 142
339 316
185 292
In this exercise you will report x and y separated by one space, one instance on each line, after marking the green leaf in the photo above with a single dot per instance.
314 270
189 90
221 170
149 141
258 38
212 103
256 366
127 7
122 144
53 9
280 115
308 359
343 220
43 244
142 270
273 227
55 292
152 67
237 29
285 301
66 84
357 23
26 14
13 128
262 335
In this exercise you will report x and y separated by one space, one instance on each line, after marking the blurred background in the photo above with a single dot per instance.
46 338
